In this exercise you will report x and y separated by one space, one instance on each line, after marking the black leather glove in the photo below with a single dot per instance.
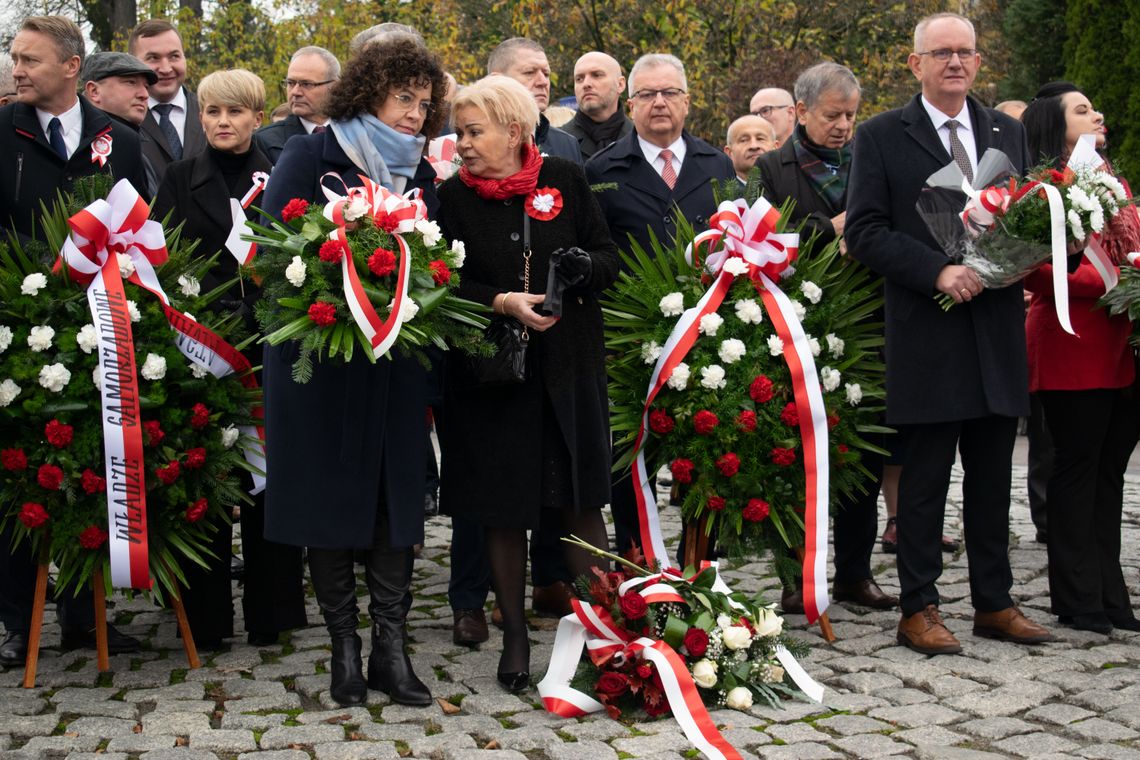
568 267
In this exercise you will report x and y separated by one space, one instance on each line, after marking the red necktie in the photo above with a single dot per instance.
669 174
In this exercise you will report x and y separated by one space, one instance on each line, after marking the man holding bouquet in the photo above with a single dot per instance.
956 379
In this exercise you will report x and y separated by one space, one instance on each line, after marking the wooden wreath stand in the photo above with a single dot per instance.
697 549
103 657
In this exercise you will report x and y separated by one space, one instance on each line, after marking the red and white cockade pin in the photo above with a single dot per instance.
101 149
543 204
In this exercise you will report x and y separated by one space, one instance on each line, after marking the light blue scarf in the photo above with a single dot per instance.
377 148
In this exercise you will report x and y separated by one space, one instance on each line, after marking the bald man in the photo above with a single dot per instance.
749 137
600 121
778 107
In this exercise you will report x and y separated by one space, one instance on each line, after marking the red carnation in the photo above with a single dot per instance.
195 458
169 473
294 209
612 684
33 515
385 221
682 470
842 448
729 464
783 457
761 389
322 313
92 537
58 434
197 510
92 483
715 503
49 476
756 510
746 421
13 459
382 262
644 670
199 416
696 642
704 421
153 431
660 422
791 415
332 251
440 273
832 420
633 606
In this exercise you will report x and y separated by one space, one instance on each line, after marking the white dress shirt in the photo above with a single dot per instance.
310 125
71 121
177 114
652 154
965 130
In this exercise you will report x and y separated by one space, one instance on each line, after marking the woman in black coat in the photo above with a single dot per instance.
345 451
509 453
197 192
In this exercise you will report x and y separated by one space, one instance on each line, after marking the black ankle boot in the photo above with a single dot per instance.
390 670
334 582
348 688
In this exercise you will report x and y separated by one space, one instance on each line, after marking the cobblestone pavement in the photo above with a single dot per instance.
1077 697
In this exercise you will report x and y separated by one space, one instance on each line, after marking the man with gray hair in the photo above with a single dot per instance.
383 31
312 72
777 106
524 61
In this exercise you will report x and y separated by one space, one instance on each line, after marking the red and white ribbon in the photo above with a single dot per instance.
441 156
244 250
101 148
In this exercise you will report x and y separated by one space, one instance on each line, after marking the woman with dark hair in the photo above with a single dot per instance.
1085 384
345 450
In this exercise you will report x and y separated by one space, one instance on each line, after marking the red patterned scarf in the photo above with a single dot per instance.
520 183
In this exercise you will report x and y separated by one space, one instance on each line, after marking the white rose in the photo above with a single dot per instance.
356 207
830 378
712 376
33 284
710 323
731 350
126 266
87 338
679 377
198 371
54 377
835 345
724 622
739 698
799 310
775 345
672 305
39 339
230 435
813 344
704 673
133 308
154 368
430 231
295 272
768 623
5 338
189 285
811 291
459 251
650 352
749 312
736 266
854 394
737 637
97 378
8 392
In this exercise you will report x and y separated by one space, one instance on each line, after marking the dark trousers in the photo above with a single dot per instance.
1094 432
470 580
623 507
986 448
18 585
1040 462
856 525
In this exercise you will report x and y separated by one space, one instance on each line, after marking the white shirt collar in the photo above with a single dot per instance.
70 120
178 101
652 152
940 118
310 125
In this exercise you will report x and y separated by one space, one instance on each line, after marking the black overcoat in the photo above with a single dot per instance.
492 439
352 439
942 366
272 137
782 178
157 149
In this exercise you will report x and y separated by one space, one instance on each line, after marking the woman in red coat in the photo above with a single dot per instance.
1085 383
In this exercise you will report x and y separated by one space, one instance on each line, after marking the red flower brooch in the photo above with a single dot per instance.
543 204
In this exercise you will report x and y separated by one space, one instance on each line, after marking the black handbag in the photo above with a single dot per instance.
507 366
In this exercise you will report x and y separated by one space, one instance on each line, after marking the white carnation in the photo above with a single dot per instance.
54 377
811 291
738 698
835 345
736 266
650 352
749 312
133 308
830 378
1075 225
97 377
712 376
198 371
813 344
459 251
87 338
672 305
854 394
189 285
430 230
408 310
295 272
33 284
704 673
679 377
356 207
8 392
154 368
5 338
39 339
230 435
126 266
775 345
710 323
731 350
1096 220
799 310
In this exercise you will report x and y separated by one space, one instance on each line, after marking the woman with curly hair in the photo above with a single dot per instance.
347 447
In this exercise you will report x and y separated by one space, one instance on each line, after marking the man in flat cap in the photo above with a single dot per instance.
116 83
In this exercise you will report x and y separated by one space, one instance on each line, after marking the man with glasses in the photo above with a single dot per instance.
956 379
312 72
778 107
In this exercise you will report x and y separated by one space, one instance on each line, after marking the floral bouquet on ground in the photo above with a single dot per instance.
365 270
114 444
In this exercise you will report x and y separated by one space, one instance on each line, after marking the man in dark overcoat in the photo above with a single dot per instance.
312 72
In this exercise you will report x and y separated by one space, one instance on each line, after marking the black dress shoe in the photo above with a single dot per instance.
865 592
237 569
117 641
514 682
14 649
259 639
1124 622
469 628
1096 622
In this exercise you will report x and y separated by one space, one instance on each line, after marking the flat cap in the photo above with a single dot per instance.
99 66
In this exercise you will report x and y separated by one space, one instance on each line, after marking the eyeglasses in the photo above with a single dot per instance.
765 111
648 96
407 103
305 85
942 55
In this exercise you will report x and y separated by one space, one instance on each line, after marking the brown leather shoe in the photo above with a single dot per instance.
890 539
925 632
792 601
865 592
552 600
950 545
497 616
469 628
1010 625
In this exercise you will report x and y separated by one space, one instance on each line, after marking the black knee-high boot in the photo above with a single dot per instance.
389 573
335 585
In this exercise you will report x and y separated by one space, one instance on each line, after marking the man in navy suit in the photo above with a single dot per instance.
957 379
